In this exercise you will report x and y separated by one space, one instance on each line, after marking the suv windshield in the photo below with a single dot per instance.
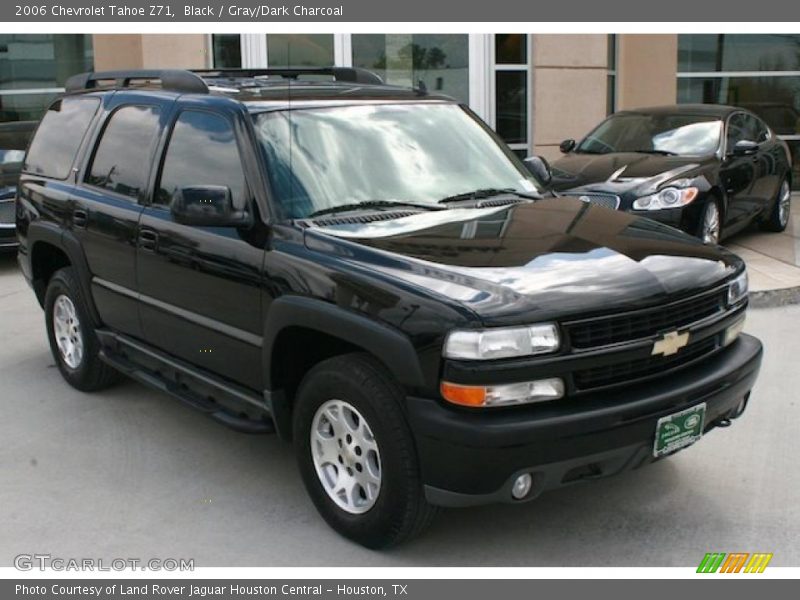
689 135
416 153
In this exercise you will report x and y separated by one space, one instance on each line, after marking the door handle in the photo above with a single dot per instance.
80 218
148 239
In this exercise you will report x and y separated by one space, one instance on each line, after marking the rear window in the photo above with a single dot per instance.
59 136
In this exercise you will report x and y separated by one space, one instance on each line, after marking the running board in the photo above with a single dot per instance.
223 401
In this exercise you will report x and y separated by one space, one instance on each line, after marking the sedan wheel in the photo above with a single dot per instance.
710 228
784 204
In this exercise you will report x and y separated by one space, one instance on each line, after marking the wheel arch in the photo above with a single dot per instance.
52 248
300 332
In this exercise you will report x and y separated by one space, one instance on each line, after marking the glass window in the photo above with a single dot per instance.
687 135
42 61
441 62
419 153
512 102
510 49
121 160
739 130
227 50
202 151
611 79
794 148
738 52
59 135
299 50
774 99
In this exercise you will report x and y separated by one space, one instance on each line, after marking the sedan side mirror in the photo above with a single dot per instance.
540 169
567 146
207 206
745 148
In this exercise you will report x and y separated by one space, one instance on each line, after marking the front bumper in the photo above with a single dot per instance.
472 457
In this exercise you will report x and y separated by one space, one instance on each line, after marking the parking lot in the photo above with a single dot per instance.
131 473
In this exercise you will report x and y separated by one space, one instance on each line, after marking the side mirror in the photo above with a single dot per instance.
745 148
567 146
540 169
207 206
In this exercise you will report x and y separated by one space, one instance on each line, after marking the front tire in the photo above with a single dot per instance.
709 228
356 453
73 341
779 215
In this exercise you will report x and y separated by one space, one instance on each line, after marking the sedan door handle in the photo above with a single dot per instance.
148 239
80 218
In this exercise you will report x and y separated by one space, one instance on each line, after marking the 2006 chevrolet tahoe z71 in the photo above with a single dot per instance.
371 273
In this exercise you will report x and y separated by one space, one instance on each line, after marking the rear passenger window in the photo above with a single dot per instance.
202 151
122 156
59 135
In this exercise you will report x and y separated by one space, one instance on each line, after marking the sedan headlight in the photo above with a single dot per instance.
670 197
502 342
737 289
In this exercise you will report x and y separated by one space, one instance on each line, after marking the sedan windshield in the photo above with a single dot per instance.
383 154
683 135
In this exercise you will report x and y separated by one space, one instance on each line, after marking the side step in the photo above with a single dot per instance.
223 401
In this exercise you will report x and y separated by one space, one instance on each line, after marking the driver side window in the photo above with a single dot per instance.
202 151
737 131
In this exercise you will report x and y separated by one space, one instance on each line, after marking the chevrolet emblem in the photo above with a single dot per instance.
670 343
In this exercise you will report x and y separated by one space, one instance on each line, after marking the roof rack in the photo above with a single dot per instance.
192 82
343 74
177 80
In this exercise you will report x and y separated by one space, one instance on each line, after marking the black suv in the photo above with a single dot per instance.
370 272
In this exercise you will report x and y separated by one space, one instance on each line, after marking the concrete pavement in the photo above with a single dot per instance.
129 472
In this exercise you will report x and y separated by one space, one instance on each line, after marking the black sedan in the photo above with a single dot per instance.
709 170
14 139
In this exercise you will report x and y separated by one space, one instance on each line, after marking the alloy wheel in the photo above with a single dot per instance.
784 203
711 223
346 456
67 329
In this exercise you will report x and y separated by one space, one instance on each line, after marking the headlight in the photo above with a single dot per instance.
670 197
502 342
737 289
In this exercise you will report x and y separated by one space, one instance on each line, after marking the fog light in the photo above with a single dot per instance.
732 332
522 486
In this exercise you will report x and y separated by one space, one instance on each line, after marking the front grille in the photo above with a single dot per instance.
604 200
7 212
627 371
631 326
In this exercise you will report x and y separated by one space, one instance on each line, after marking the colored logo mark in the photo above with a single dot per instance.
735 562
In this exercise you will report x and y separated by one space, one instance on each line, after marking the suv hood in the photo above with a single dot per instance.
552 258
622 172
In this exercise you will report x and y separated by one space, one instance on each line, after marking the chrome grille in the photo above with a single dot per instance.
605 200
7 212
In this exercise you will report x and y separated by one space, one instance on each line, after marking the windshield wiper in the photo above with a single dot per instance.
368 204
484 193
660 152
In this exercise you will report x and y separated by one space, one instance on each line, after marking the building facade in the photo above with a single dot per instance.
534 89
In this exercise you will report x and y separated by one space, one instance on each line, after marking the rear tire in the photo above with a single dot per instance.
779 215
356 453
72 337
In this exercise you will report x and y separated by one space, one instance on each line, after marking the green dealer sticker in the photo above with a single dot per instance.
679 430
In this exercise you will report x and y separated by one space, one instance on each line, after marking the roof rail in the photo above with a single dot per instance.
176 80
344 74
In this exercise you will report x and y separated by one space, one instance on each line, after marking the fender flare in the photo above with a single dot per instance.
389 345
68 243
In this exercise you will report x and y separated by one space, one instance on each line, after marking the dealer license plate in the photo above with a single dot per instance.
679 430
